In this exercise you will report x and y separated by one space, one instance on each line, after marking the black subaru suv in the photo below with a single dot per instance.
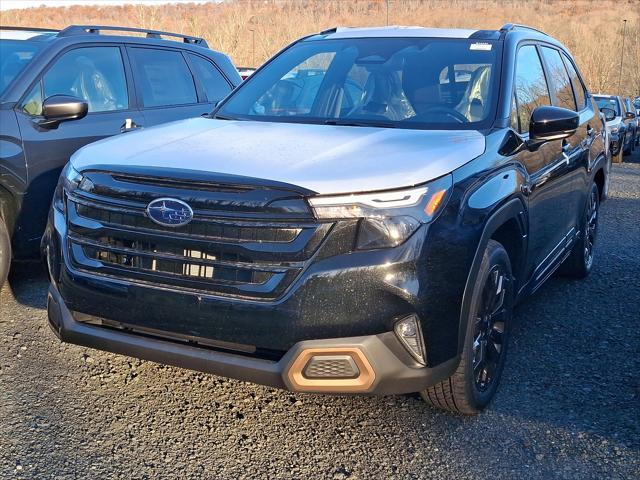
360 215
60 90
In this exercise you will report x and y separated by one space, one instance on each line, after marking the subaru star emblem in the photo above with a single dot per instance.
169 212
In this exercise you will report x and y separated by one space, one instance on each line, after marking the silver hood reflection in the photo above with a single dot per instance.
321 158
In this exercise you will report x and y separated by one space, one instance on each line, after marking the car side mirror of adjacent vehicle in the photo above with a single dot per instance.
551 123
609 113
630 115
62 108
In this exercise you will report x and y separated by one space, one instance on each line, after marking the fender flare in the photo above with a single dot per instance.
513 209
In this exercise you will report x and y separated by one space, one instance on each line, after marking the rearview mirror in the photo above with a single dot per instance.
551 123
609 113
630 115
62 108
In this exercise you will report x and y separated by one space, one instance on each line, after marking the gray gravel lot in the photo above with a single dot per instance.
568 407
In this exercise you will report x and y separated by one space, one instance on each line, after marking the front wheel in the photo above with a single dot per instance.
5 252
580 261
475 381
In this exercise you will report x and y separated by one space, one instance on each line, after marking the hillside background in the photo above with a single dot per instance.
592 30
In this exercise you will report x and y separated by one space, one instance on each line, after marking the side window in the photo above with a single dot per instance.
95 74
530 85
578 88
560 83
32 104
163 77
513 118
214 84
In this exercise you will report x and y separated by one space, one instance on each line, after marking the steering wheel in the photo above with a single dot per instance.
452 112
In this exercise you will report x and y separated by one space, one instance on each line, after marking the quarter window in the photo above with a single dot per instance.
163 77
94 74
530 85
560 83
578 88
214 84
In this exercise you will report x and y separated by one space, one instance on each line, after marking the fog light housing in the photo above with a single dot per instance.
409 333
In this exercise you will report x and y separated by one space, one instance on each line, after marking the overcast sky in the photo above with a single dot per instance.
9 4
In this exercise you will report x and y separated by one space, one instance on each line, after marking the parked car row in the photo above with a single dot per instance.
622 123
360 215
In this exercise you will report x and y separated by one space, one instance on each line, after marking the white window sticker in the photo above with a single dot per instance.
480 46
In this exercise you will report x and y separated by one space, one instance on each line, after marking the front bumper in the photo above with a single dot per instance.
385 367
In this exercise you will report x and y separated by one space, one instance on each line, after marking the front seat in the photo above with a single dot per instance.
476 96
92 85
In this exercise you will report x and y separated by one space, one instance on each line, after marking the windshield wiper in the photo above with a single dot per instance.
217 116
356 123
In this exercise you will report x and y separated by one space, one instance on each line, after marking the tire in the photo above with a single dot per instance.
5 252
627 150
486 338
580 261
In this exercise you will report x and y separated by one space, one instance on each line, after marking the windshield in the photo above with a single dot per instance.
14 56
608 102
387 82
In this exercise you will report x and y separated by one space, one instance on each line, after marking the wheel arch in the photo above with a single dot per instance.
507 225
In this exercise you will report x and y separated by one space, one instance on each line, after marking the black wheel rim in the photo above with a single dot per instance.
591 228
488 335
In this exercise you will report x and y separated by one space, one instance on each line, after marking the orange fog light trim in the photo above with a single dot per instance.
434 202
361 383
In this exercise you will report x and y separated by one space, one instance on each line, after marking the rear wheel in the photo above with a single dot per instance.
626 150
580 261
475 381
5 252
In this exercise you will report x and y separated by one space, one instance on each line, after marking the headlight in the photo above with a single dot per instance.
69 180
387 218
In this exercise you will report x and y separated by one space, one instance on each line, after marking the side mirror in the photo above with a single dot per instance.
551 123
62 108
630 115
609 113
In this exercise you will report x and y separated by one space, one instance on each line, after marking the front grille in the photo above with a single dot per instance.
223 252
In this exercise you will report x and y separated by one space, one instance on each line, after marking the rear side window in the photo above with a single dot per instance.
530 85
95 74
559 78
163 77
213 83
578 88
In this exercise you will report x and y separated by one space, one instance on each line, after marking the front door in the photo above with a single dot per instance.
95 74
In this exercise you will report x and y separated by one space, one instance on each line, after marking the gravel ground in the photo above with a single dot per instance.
568 406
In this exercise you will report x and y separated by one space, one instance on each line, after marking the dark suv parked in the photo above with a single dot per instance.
60 90
360 215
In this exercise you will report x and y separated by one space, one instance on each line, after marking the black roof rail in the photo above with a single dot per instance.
507 27
29 29
96 29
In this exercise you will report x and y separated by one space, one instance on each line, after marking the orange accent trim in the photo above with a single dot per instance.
434 202
362 383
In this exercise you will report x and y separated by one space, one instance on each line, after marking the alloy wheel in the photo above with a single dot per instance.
489 328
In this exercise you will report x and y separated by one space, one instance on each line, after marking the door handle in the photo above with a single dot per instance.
129 125
566 146
590 131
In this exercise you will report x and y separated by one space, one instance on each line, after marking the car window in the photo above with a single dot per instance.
14 57
401 82
163 77
214 84
94 74
530 85
559 79
578 87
